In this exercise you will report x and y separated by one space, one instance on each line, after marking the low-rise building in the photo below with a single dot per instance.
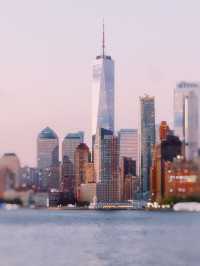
181 179
87 192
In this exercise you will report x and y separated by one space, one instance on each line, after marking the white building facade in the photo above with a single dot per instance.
186 117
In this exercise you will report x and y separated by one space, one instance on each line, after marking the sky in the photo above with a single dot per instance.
46 52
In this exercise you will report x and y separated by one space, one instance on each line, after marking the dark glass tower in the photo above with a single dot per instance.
147 123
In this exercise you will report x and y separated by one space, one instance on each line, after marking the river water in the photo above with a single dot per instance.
99 238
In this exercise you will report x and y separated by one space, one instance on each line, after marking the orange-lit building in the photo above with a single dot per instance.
181 179
156 175
89 173
81 159
168 149
7 180
87 192
163 130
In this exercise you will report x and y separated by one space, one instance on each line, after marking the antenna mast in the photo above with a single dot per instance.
103 41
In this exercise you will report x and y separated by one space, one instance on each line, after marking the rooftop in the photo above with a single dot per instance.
47 133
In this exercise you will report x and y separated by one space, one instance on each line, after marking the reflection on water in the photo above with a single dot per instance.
97 238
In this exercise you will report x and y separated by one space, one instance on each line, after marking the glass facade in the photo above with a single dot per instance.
186 116
106 165
48 159
147 136
103 94
47 149
128 144
69 145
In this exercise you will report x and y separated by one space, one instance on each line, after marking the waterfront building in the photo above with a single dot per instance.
81 160
167 150
87 193
69 145
29 178
128 144
48 159
182 180
40 199
7 181
129 184
106 165
186 117
103 91
11 162
58 198
156 182
147 140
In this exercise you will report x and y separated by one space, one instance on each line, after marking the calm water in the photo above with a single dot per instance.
89 238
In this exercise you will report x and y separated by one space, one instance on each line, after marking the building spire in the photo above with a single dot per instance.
103 40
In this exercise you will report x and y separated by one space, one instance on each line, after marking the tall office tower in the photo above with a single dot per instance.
147 135
103 92
47 149
186 117
81 157
69 145
48 159
128 144
106 165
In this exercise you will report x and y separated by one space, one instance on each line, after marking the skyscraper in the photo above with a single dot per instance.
186 117
147 139
47 149
128 144
106 165
81 161
69 145
103 92
48 159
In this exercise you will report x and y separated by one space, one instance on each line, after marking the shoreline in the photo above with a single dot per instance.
109 209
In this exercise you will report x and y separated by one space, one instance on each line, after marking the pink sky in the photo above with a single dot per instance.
46 52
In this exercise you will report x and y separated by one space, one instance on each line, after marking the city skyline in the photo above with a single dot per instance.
39 64
100 137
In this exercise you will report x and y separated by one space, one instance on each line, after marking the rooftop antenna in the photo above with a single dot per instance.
103 41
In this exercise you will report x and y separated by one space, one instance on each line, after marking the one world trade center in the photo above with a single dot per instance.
103 91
